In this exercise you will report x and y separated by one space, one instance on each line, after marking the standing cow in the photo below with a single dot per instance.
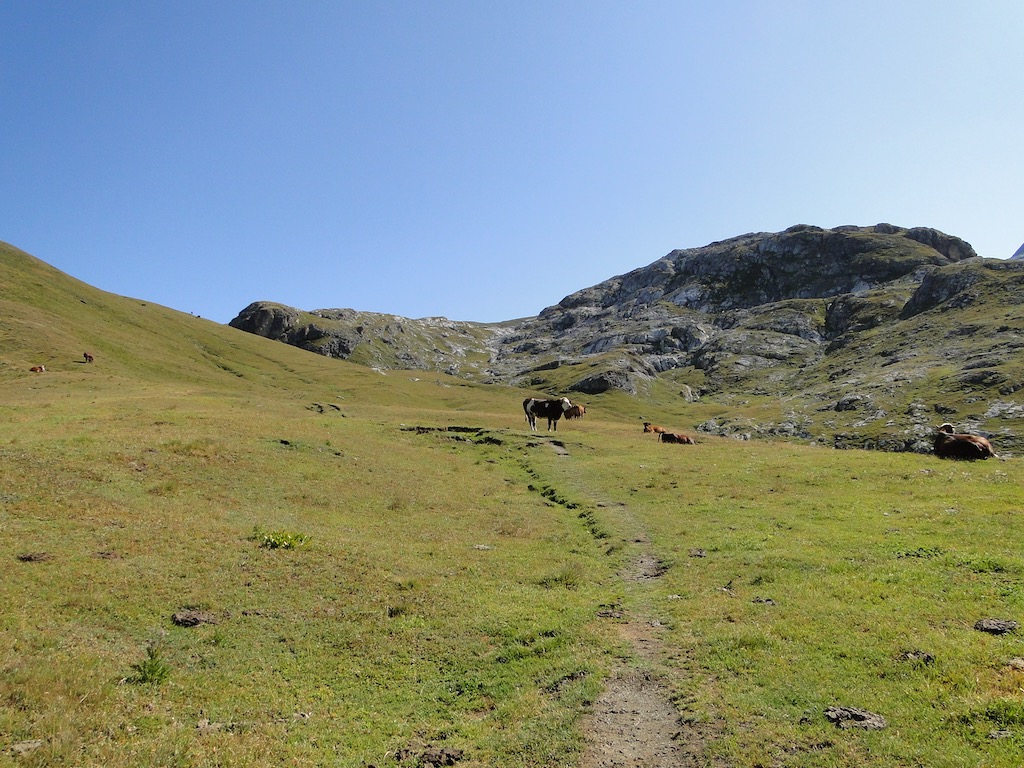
577 411
552 410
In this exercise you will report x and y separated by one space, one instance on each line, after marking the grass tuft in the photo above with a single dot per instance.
278 539
152 670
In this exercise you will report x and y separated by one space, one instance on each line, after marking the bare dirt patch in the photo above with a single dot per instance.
634 723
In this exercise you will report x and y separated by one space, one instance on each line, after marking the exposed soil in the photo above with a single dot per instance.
634 722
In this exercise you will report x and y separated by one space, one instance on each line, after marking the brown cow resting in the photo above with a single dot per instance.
38 369
648 427
675 437
949 445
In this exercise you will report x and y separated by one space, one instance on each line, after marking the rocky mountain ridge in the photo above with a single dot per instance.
853 320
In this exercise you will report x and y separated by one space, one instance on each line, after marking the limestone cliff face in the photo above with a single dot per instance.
752 302
375 339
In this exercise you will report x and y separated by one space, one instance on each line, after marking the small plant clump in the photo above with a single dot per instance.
278 539
152 670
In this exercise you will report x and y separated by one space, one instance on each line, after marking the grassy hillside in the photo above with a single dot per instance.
383 564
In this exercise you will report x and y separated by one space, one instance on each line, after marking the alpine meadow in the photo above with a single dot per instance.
223 550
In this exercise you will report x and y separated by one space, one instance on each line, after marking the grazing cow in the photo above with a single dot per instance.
88 357
576 411
552 410
949 445
38 369
648 427
675 437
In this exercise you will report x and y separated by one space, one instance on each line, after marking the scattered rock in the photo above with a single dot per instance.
697 552
205 727
918 656
26 747
430 757
1016 663
851 717
996 626
324 407
35 557
192 618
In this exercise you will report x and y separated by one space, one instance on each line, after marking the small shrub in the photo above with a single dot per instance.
278 539
568 577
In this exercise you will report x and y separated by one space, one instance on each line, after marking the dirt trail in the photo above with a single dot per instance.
634 722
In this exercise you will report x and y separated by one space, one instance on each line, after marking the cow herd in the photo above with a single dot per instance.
42 368
948 444
664 436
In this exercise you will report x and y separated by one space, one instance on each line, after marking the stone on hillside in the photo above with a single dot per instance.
191 617
853 402
852 717
951 247
996 626
602 382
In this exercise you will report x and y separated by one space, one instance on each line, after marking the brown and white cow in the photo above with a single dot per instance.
38 369
676 437
949 445
552 410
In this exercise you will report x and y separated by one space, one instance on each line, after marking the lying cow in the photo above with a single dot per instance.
38 369
552 410
949 445
648 427
675 437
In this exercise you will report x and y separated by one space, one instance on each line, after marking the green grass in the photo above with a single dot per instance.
448 585
822 570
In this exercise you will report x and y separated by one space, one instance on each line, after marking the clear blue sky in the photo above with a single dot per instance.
480 160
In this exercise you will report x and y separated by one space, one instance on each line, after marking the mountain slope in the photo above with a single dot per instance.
50 318
867 333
